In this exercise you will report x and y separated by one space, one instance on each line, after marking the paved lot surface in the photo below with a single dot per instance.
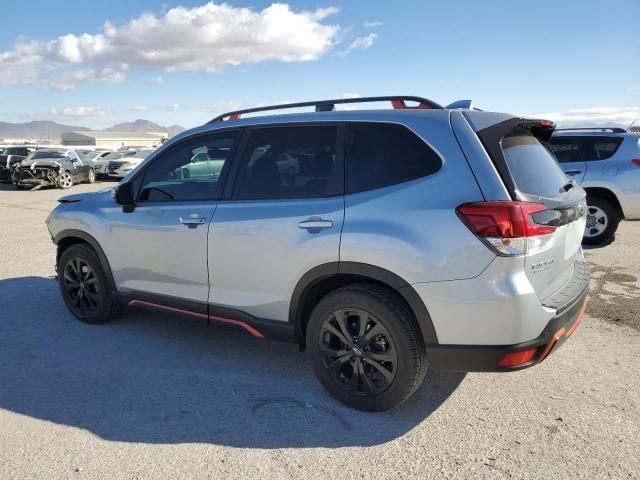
151 396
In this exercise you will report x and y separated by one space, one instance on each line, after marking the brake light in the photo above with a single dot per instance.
508 226
636 161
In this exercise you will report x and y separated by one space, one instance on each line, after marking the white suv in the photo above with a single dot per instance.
606 163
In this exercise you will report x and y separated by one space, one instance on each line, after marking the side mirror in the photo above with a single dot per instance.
124 197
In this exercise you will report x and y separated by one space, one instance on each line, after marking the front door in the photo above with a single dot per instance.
161 247
283 217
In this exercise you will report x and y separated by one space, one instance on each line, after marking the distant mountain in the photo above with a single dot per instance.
48 130
40 130
141 125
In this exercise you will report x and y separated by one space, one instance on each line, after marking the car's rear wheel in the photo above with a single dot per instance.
86 289
602 221
92 176
65 180
366 347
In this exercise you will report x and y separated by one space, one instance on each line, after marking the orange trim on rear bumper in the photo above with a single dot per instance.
579 320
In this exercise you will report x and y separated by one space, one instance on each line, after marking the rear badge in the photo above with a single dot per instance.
539 267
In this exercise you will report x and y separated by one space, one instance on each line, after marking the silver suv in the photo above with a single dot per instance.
606 163
383 241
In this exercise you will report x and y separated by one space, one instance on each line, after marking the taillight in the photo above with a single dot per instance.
508 226
636 161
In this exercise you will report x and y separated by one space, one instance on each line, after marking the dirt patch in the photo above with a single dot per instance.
615 296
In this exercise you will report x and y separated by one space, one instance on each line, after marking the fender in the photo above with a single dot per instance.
372 272
72 233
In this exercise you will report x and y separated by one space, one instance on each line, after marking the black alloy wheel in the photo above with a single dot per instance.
81 285
358 351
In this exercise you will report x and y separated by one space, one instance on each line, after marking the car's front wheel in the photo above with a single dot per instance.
86 289
366 347
65 180
602 221
92 176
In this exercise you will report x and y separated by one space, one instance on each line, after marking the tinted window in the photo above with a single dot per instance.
181 173
600 148
566 149
379 155
533 168
290 162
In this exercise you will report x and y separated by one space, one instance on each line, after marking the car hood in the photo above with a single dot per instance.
87 196
41 162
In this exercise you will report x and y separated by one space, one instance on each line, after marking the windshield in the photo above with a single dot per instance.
112 156
141 154
38 154
532 166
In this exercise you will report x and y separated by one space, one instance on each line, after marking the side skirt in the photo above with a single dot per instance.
214 315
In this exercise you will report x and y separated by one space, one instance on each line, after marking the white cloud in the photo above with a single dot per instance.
70 113
361 43
203 38
157 80
373 24
592 116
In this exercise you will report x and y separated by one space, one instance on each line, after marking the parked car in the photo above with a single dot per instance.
606 163
100 160
383 241
52 167
10 156
130 159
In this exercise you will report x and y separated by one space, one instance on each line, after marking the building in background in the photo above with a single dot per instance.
114 140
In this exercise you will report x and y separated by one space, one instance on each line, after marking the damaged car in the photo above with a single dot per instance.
10 156
52 167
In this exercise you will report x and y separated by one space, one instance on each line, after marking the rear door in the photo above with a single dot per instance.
570 155
282 217
537 177
531 173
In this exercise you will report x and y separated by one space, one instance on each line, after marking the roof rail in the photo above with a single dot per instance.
593 129
397 102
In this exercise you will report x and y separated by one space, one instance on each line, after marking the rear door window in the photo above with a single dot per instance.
600 148
383 154
533 168
290 162
566 149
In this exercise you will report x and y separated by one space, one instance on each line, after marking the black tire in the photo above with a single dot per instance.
100 301
600 210
92 176
371 391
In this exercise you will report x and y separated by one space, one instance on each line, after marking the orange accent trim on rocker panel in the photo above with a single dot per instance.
240 323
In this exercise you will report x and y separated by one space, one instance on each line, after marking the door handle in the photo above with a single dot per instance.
192 221
315 223
573 172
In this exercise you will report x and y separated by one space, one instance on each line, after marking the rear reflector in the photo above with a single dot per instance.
508 226
516 359
636 161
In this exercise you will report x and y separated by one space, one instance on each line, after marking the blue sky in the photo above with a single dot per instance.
574 61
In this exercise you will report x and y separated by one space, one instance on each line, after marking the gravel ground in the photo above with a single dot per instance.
151 396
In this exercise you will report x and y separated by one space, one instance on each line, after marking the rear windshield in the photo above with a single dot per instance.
533 168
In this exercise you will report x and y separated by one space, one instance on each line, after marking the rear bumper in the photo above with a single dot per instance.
486 358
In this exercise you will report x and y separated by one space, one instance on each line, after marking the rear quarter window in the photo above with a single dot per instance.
383 154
